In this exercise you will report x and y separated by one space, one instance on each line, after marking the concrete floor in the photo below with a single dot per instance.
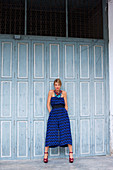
85 163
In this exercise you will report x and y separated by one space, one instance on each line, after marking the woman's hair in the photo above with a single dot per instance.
58 81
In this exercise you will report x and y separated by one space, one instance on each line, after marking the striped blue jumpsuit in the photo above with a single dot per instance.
58 131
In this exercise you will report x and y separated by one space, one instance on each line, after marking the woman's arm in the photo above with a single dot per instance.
48 100
65 99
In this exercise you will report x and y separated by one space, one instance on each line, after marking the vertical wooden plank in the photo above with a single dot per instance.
98 98
22 97
7 114
38 100
70 86
84 115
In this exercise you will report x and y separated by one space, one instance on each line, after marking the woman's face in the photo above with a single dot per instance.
57 86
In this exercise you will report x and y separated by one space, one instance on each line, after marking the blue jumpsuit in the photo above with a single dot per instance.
58 131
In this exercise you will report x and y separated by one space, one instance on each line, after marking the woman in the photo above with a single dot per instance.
58 119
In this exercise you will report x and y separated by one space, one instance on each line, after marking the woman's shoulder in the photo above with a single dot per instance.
64 92
50 91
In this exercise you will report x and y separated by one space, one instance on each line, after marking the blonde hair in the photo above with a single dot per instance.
58 81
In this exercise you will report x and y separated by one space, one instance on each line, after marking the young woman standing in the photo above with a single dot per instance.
58 119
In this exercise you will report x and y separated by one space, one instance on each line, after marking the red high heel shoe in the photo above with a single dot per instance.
45 159
71 159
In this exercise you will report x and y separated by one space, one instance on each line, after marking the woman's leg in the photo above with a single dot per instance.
46 150
70 150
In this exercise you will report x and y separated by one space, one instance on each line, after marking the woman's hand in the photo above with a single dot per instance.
66 110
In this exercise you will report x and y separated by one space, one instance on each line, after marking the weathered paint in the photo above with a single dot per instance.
29 67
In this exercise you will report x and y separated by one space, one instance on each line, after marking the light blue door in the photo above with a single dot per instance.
91 100
28 69
7 100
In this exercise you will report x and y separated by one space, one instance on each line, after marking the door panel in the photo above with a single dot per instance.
37 98
22 95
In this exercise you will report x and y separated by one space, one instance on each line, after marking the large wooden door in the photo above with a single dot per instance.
28 69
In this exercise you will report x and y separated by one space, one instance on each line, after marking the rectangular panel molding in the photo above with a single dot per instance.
22 99
54 58
99 135
70 88
22 139
98 61
85 136
6 98
99 98
38 60
6 139
69 61
6 65
39 99
84 99
22 60
38 138
84 61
